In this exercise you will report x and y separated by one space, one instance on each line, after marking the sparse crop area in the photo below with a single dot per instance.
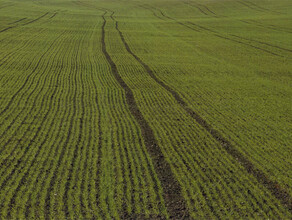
177 109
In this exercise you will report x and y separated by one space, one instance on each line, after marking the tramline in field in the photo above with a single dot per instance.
145 110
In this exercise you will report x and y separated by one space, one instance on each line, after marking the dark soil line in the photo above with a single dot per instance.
179 22
144 7
197 7
6 6
243 43
200 6
261 42
54 15
242 38
5 29
217 34
208 9
17 21
152 75
36 19
271 27
273 186
260 8
249 6
175 203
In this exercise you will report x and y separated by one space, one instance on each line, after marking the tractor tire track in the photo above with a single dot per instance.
270 27
264 43
152 75
217 34
6 6
177 21
202 8
54 15
17 21
153 12
189 4
174 201
254 6
36 19
281 194
8 28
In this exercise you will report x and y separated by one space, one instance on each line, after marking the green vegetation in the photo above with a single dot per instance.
145 109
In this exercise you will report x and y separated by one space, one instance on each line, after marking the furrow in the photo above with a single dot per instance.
274 187
174 202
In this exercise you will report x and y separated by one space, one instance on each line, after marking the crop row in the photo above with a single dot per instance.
69 148
177 142
102 117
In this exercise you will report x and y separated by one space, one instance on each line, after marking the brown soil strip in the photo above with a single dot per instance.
174 201
273 186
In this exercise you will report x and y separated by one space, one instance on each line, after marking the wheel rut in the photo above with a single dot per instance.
174 201
32 21
274 187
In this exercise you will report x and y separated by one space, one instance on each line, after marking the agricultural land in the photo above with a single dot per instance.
157 109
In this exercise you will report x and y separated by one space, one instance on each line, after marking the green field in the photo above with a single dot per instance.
160 109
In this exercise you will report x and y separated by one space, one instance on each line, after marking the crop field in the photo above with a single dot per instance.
177 109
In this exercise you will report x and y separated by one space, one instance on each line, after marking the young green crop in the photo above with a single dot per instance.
145 110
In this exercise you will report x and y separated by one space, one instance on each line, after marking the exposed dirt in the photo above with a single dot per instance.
174 201
275 188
